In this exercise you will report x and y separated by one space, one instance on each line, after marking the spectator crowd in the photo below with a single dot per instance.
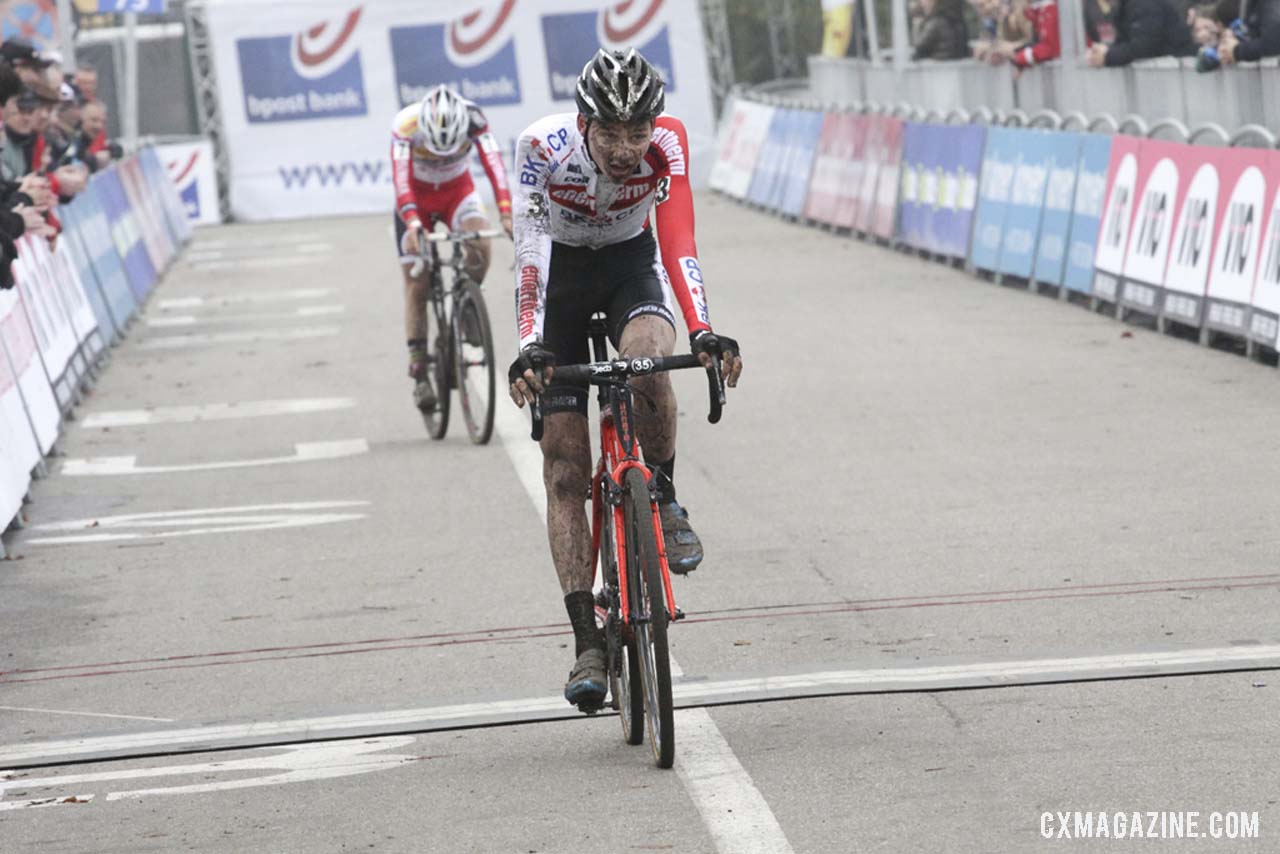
1024 33
54 137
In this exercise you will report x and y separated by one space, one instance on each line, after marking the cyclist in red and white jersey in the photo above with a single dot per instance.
591 188
431 145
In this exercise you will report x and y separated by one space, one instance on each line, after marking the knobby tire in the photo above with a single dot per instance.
477 410
648 599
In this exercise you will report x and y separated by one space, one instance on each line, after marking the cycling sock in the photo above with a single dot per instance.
666 480
417 343
581 606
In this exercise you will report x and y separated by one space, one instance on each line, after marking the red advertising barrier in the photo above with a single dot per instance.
1237 247
1117 217
1264 314
828 164
854 130
1164 172
886 202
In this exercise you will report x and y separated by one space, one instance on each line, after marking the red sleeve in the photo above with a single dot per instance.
99 143
674 219
402 179
1044 16
491 158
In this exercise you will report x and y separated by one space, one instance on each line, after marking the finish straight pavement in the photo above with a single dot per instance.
917 466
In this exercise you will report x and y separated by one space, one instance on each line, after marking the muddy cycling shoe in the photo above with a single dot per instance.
587 683
684 549
424 395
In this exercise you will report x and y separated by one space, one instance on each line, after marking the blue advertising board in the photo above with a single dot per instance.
94 233
71 228
125 233
959 161
809 131
910 212
1026 202
999 164
782 155
1086 215
1059 199
766 170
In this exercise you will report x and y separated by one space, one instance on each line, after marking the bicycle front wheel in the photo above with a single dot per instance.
649 618
625 684
440 346
474 363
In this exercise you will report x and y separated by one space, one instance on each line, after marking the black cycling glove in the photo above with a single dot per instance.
706 341
534 358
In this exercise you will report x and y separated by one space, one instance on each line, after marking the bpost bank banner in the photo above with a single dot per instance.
309 89
190 166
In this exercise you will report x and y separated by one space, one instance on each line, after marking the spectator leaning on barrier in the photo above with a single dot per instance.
93 126
1100 21
943 35
1144 29
21 202
1043 44
1251 36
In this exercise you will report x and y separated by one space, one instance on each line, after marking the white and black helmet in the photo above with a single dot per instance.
620 87
444 119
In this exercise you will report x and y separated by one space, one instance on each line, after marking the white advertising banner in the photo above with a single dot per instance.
41 303
750 139
18 451
309 89
35 393
191 168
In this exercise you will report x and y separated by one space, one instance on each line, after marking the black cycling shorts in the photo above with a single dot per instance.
621 280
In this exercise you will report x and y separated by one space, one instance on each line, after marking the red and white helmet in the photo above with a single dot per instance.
444 120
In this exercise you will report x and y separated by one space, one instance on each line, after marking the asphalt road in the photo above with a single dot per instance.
929 496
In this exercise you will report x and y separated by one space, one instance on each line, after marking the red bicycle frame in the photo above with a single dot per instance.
614 464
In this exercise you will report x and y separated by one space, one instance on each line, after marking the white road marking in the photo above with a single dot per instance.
270 262
167 321
179 342
734 811
214 520
254 242
212 253
85 714
917 678
296 764
265 296
304 452
215 412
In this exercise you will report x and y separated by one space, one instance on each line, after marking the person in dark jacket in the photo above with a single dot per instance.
1144 29
1252 37
943 35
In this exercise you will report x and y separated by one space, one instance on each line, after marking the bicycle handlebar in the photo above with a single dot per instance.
447 237
620 370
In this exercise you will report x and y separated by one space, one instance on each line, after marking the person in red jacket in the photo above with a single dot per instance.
1044 44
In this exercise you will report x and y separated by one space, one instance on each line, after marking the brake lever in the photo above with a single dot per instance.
715 389
535 410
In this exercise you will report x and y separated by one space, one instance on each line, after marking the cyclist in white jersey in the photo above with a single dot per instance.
431 145
588 186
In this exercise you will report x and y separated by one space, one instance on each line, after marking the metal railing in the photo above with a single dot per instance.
1158 89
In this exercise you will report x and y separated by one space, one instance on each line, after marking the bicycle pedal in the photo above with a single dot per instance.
591 709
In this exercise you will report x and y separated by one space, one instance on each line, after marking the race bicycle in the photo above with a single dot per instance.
459 337
635 599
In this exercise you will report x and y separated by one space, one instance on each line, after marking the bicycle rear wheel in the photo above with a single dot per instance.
649 616
474 363
440 346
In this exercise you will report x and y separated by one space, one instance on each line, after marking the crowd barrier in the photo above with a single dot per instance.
1182 234
72 301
